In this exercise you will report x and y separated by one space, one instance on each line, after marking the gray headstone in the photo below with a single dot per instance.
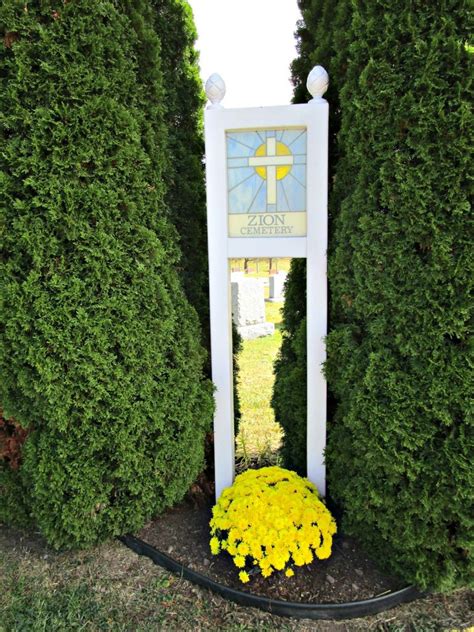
248 308
277 282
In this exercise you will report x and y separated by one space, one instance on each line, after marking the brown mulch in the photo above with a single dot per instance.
348 575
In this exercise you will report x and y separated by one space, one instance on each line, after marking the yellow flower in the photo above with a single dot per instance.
323 552
265 563
308 557
244 577
243 548
239 561
268 516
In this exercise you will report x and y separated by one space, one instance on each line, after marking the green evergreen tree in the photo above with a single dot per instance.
99 348
400 273
401 277
150 59
184 102
186 195
168 70
322 38
289 390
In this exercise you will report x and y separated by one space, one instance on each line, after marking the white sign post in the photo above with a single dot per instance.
267 177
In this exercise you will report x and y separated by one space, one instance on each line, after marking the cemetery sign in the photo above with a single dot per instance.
266 182
266 173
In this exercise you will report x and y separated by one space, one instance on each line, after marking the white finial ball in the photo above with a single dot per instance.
317 83
215 90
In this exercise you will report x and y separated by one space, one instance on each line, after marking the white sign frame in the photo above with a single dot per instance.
314 117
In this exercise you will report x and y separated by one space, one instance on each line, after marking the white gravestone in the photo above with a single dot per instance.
277 286
248 308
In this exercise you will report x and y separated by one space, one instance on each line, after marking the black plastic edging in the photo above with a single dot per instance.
297 610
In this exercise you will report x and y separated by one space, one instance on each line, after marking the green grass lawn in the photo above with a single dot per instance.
259 437
107 588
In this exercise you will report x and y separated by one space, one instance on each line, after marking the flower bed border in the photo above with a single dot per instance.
334 611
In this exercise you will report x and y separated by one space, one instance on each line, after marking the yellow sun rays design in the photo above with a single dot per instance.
281 150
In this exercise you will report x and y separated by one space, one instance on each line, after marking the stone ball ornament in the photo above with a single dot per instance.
215 90
317 82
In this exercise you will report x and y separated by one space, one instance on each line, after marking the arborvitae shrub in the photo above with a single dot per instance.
400 272
289 391
99 349
184 102
322 38
186 194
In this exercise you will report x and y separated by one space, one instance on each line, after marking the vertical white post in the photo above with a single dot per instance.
219 290
316 281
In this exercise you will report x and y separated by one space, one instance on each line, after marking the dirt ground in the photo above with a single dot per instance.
348 575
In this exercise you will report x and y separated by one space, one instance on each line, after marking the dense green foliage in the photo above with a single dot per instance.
323 37
185 184
185 195
99 348
289 391
400 273
401 277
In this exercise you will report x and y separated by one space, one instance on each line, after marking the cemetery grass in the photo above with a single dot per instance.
259 437
111 588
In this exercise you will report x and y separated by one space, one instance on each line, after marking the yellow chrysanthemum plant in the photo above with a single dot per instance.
270 520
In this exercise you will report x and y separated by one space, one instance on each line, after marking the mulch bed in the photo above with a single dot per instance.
348 575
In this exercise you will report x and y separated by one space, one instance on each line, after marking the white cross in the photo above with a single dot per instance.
271 161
